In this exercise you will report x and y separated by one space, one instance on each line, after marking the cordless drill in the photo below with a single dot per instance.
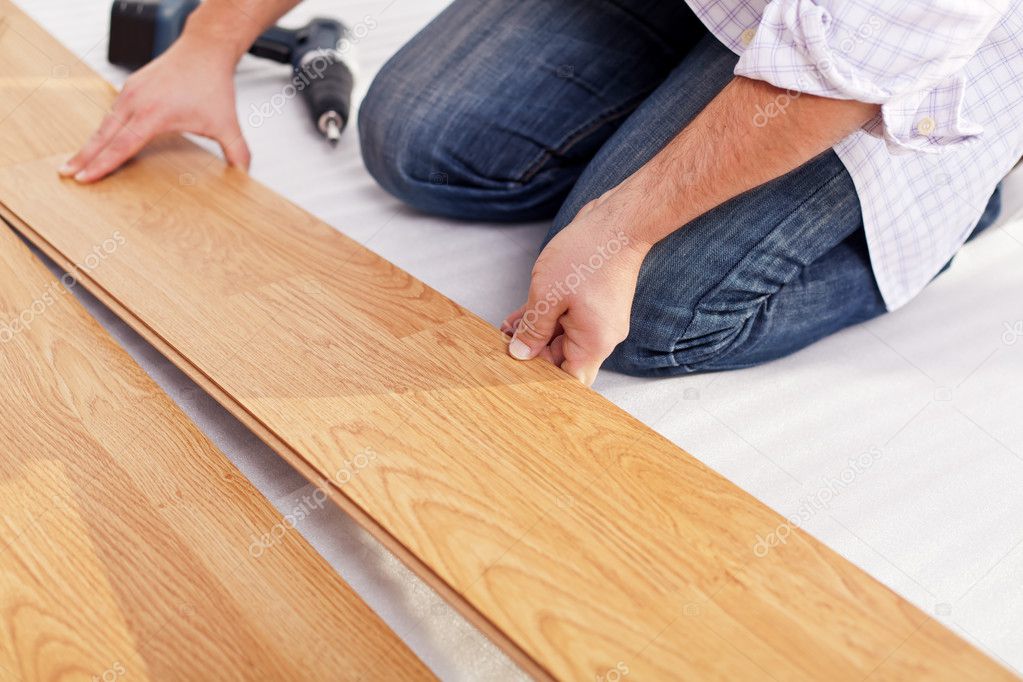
140 30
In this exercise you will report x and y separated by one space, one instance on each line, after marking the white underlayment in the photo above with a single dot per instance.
927 400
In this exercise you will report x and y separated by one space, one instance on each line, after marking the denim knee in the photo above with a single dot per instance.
421 143
391 135
660 353
673 340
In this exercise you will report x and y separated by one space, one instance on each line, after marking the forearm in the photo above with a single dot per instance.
730 147
231 26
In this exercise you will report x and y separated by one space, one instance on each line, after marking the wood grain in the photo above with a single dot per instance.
581 541
128 542
37 78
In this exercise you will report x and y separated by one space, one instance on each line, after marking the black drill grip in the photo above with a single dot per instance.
328 86
276 43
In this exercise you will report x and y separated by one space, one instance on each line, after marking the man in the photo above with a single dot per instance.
729 181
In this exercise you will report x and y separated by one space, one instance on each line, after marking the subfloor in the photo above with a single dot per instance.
899 443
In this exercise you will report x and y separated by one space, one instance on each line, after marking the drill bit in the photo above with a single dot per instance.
330 125
333 132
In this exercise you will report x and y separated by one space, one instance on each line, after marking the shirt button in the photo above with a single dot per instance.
747 36
926 125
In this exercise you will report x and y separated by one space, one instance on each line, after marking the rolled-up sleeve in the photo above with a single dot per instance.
905 55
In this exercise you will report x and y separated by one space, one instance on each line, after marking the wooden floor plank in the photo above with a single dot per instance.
126 538
578 539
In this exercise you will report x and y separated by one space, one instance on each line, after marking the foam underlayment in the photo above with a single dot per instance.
898 442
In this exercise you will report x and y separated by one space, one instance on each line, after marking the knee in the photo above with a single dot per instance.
645 355
440 149
395 146
664 342
662 355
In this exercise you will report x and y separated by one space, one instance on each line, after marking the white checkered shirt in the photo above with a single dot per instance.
948 75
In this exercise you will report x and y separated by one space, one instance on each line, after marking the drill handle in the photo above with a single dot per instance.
277 44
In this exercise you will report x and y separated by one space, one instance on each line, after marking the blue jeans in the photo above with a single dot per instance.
514 110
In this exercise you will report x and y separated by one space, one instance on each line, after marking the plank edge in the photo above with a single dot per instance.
279 446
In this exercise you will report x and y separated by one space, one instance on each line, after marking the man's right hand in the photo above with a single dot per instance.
189 88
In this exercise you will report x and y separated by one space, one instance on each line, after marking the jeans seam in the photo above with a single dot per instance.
575 136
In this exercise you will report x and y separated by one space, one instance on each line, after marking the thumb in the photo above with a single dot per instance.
536 327
236 150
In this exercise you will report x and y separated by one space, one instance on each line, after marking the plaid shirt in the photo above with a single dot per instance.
948 75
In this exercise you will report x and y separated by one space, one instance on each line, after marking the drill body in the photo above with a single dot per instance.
141 30
322 71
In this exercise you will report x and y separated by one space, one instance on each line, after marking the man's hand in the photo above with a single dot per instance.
581 292
725 151
189 88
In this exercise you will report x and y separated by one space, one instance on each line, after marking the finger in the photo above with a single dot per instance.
585 347
545 354
236 150
111 125
536 328
579 362
554 353
557 350
512 321
122 146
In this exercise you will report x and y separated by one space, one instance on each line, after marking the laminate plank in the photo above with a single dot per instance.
126 537
39 84
578 539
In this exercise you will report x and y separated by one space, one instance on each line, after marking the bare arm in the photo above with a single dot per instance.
751 133
234 24
189 88
738 142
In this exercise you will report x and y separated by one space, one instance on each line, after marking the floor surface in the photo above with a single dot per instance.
897 442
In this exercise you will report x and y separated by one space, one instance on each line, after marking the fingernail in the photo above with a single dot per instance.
65 169
80 176
518 350
579 375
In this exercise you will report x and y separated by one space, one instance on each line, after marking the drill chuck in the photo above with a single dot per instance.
331 124
328 81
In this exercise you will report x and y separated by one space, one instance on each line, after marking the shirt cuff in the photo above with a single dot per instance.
794 48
